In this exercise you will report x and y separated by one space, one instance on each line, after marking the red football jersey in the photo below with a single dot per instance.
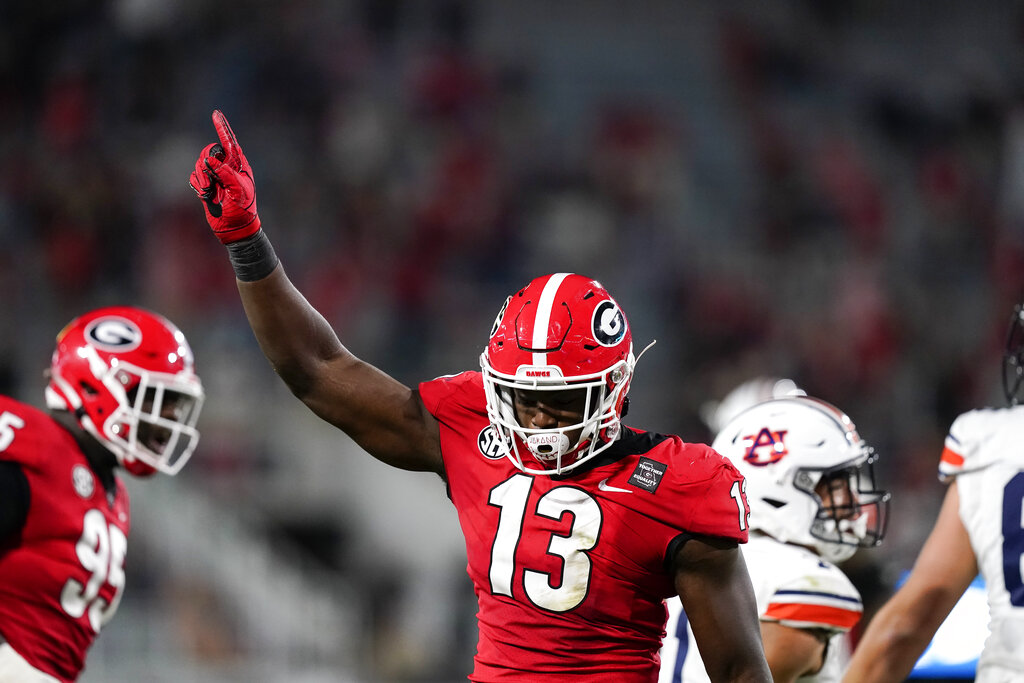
570 573
62 579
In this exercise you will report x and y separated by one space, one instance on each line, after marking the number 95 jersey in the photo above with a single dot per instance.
571 572
62 577
984 451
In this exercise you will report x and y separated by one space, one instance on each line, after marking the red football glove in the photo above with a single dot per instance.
223 180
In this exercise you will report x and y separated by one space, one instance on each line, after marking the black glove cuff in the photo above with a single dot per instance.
252 258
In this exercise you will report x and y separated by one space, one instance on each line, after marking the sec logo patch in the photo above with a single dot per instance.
490 443
83 481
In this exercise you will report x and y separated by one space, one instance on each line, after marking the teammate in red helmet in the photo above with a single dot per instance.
122 393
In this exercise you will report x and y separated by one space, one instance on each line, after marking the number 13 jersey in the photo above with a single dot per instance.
571 572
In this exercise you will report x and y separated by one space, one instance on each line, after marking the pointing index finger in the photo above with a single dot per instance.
227 137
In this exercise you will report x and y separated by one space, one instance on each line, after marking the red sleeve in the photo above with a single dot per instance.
720 508
437 394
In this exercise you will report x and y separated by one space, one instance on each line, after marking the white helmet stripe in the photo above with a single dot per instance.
543 319
69 393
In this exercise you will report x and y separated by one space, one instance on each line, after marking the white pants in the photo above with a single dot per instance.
14 668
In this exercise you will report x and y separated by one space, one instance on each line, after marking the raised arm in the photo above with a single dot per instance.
902 629
714 586
381 414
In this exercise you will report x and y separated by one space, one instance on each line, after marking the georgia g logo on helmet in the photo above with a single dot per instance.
113 334
609 325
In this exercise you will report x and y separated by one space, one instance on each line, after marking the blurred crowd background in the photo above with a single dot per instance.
827 191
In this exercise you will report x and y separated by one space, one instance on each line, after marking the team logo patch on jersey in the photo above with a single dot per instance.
766 447
490 443
113 334
648 474
83 481
609 324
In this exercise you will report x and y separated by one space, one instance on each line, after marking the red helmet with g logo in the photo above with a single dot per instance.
560 333
128 377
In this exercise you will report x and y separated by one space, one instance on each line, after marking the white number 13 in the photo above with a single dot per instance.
512 496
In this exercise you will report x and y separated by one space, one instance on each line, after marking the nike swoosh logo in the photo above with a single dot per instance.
213 207
208 197
603 485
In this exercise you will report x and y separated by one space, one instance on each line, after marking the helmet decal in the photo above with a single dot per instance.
114 334
543 324
497 320
609 323
774 442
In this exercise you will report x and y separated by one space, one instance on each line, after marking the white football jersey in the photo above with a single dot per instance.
985 453
794 587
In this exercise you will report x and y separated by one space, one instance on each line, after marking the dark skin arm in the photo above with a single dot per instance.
714 586
382 415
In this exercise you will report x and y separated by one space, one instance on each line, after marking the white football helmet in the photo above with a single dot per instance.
809 475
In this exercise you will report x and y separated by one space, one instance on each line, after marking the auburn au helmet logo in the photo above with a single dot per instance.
765 448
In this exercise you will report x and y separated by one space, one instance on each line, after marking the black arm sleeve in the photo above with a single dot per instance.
673 547
14 499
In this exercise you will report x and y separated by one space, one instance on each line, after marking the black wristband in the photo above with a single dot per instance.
252 258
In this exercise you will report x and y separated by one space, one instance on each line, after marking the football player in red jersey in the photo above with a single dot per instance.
122 393
577 527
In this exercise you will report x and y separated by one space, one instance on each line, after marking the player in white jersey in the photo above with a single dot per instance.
812 503
979 528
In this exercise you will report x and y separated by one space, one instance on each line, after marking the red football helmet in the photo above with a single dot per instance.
128 377
561 333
